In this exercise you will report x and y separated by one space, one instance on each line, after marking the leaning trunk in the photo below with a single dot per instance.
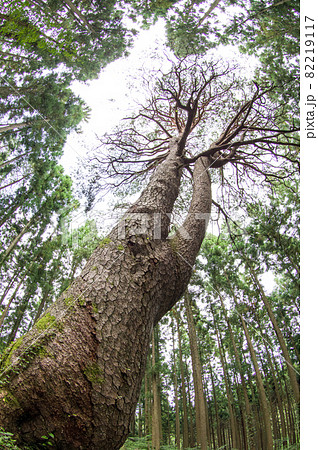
78 372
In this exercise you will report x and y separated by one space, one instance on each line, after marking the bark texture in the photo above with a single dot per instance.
78 372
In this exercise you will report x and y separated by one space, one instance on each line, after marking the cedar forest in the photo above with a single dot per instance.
161 331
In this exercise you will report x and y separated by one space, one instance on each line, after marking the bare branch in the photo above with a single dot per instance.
189 103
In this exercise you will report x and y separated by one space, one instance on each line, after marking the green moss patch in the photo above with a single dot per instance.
23 360
7 355
105 241
47 327
93 373
69 301
11 400
48 322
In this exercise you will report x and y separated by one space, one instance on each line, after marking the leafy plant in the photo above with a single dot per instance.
6 441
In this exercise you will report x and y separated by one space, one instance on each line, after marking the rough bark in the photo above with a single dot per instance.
78 372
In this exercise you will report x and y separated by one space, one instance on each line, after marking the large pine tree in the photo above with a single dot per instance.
78 372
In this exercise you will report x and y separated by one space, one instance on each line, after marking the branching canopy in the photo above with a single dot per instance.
213 113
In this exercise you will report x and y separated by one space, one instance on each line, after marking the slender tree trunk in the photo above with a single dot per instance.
20 313
10 284
46 294
17 273
281 340
15 241
241 420
13 296
147 408
278 397
156 410
228 393
13 210
78 372
13 126
176 400
14 182
78 13
208 12
140 420
44 299
247 408
289 413
261 390
255 409
201 417
292 340
191 420
216 408
10 161
183 387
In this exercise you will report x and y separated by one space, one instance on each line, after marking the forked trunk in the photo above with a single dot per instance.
77 373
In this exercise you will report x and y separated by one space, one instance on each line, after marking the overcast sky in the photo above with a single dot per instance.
111 96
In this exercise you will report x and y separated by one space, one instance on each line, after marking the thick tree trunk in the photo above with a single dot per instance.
78 372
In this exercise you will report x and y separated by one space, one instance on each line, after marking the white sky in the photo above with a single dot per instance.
110 97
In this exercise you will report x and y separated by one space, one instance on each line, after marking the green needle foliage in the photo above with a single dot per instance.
78 37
